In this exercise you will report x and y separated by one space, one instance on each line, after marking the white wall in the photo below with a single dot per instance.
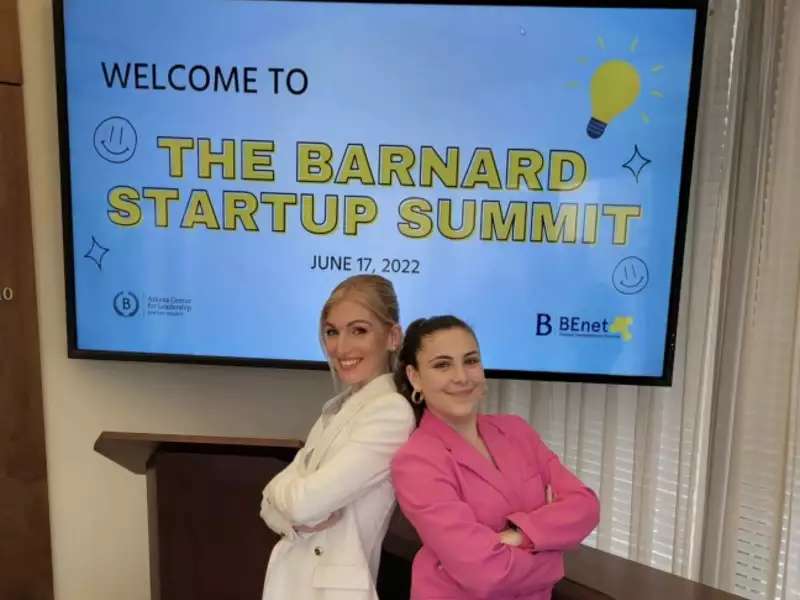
97 509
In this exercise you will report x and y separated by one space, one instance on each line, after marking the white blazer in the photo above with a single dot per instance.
343 466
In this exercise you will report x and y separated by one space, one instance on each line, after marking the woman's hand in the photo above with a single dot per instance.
510 537
329 522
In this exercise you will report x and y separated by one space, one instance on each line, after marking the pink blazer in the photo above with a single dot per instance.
458 501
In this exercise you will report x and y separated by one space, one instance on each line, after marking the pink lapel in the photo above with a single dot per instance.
504 479
508 455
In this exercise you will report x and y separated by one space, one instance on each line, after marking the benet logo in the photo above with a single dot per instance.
576 326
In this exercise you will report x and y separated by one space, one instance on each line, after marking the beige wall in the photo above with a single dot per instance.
97 509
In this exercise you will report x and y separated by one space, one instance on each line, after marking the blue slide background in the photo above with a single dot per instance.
414 75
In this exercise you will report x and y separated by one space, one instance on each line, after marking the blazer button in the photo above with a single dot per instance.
318 551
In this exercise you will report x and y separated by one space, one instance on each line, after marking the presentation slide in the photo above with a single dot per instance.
524 167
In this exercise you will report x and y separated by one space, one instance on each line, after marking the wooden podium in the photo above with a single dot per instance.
207 540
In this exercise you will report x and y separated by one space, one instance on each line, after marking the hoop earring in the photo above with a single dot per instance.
417 397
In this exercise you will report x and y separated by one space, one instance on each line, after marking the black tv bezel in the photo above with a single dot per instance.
665 379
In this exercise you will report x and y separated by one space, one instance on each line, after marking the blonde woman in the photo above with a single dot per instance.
333 503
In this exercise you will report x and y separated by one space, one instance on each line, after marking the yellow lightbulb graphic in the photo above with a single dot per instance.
614 88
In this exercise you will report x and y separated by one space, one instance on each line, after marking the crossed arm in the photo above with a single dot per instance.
563 523
470 552
293 501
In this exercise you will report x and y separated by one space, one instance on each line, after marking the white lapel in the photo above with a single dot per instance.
383 384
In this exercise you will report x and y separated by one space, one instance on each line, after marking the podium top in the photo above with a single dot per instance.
134 450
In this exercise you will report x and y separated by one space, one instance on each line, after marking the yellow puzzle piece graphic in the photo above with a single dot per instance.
622 326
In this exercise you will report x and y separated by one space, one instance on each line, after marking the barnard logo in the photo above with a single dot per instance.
571 326
126 304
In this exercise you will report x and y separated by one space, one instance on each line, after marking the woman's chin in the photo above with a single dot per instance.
357 376
352 377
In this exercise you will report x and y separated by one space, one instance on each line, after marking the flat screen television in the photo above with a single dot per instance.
523 165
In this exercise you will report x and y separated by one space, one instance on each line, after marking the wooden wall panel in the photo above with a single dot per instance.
10 64
25 556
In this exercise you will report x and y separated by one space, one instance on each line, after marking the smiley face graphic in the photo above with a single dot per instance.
630 275
115 140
